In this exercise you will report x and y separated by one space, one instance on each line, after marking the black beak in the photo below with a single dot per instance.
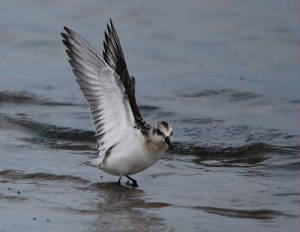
167 140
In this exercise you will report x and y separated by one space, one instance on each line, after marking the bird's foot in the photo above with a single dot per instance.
134 183
119 181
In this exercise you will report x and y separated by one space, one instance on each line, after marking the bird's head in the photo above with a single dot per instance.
161 133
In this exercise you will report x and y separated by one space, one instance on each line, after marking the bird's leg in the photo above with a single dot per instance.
119 181
134 183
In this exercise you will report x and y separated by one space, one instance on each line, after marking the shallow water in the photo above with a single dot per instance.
224 73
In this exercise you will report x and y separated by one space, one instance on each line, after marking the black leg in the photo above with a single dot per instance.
134 183
119 181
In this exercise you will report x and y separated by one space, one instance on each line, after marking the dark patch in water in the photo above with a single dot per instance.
75 211
61 144
11 197
140 203
261 214
148 108
115 188
28 98
19 175
248 154
232 151
295 101
233 95
156 175
199 121
286 194
51 131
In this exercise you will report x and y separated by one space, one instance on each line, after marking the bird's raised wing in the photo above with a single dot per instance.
114 57
103 89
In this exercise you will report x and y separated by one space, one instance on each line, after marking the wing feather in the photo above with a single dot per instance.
112 116
114 57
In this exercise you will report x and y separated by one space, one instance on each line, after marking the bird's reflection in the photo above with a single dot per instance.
123 208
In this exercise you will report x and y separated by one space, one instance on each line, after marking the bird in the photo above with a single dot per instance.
126 143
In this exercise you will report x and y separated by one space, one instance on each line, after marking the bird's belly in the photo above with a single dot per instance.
129 162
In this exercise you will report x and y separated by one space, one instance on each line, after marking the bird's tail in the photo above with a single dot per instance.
93 162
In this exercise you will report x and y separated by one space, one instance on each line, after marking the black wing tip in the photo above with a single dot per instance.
64 35
108 28
69 32
69 53
66 43
111 23
111 28
67 29
106 36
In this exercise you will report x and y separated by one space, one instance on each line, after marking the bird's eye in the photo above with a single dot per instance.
171 133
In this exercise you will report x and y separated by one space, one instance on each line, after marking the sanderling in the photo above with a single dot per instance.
126 143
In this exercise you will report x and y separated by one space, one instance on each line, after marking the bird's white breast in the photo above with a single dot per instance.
132 155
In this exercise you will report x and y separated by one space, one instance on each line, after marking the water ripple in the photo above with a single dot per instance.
261 214
20 175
